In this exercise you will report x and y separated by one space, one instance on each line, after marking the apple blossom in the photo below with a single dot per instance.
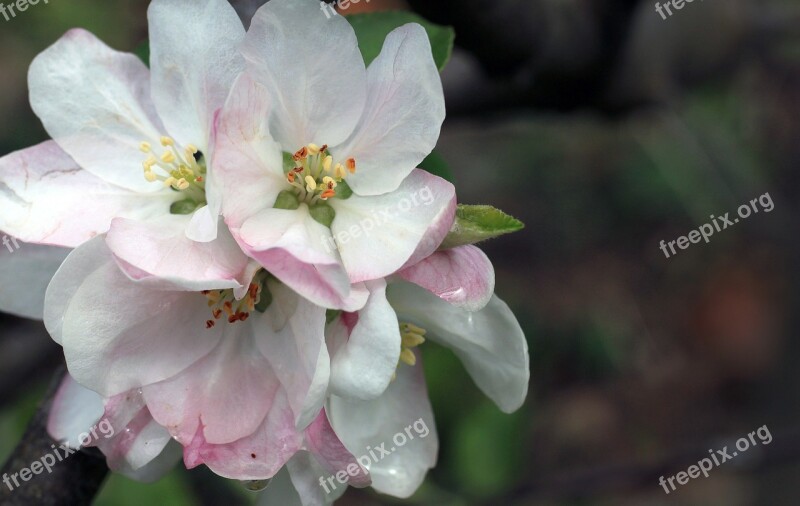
352 138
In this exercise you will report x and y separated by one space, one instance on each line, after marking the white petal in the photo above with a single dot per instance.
401 422
363 367
376 236
46 198
194 60
95 103
489 342
25 272
118 335
75 410
296 349
247 167
312 68
66 279
403 116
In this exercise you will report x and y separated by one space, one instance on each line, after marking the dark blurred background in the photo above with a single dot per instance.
606 129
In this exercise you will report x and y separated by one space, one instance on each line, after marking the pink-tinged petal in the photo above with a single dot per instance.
489 342
403 116
377 236
225 395
312 67
74 411
462 276
247 165
296 350
113 330
154 470
25 272
258 456
403 409
159 253
194 60
330 452
48 199
299 251
363 366
128 436
68 277
95 102
305 472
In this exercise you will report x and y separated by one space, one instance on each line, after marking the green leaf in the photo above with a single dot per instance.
436 165
372 29
478 223
143 52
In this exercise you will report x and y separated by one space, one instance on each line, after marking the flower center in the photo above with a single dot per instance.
224 301
181 170
315 176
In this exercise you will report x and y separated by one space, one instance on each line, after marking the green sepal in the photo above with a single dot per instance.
287 199
323 214
187 206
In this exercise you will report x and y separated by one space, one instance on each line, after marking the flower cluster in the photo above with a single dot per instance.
201 309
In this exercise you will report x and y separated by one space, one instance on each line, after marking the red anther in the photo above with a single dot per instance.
301 154
217 313
328 194
210 324
290 177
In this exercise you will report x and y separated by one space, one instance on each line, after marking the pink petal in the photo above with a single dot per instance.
325 445
462 276
258 456
159 253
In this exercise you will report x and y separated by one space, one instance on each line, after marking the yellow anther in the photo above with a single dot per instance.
148 164
168 157
167 141
182 184
327 180
412 340
326 164
408 357
313 149
191 148
170 181
145 147
338 171
311 184
150 176
410 327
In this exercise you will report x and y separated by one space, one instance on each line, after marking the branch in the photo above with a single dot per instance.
73 482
